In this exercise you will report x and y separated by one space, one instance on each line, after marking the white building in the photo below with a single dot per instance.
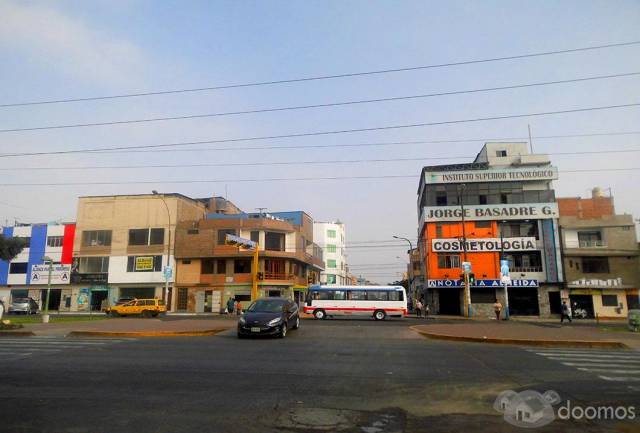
331 237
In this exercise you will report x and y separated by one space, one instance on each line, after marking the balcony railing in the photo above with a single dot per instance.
527 269
277 276
592 244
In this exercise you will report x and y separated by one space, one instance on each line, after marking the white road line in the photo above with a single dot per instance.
607 370
620 378
54 343
587 355
590 364
585 352
586 359
11 349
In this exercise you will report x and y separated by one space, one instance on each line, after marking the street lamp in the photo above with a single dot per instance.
166 275
506 283
410 273
467 289
45 314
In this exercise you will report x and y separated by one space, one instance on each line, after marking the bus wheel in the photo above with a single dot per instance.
379 315
319 314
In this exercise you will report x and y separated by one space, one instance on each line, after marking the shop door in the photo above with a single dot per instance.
523 301
555 305
207 301
182 299
99 299
55 296
582 301
633 302
449 301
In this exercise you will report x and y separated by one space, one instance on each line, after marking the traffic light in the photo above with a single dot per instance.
472 279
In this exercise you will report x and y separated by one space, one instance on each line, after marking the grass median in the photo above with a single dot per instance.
22 320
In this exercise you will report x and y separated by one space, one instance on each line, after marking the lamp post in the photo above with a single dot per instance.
505 281
467 289
409 274
45 314
166 275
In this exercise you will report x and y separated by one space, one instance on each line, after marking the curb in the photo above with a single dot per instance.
203 333
16 334
523 342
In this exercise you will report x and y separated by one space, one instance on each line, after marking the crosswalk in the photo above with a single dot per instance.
611 365
24 347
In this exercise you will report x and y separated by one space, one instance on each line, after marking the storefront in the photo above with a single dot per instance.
603 303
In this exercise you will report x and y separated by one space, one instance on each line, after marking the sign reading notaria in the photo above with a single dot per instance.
492 175
483 245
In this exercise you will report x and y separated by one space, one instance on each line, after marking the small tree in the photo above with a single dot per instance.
11 247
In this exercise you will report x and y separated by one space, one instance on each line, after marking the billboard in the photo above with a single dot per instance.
492 175
144 263
60 274
454 245
491 212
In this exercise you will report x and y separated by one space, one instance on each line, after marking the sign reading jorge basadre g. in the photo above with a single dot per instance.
491 212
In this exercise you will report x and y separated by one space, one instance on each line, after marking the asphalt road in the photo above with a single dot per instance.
333 375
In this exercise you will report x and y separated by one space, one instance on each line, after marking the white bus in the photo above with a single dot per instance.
373 301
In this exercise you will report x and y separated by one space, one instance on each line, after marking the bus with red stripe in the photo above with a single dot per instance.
378 302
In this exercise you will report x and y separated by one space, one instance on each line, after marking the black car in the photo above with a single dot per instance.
269 316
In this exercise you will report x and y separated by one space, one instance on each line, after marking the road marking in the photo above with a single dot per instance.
54 343
586 359
620 378
584 352
587 355
608 370
28 346
583 364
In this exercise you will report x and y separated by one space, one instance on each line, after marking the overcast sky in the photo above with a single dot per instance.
75 49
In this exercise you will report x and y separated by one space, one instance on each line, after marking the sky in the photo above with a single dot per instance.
75 49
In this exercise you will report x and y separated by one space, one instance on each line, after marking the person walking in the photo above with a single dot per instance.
231 302
426 310
497 308
418 307
238 308
565 312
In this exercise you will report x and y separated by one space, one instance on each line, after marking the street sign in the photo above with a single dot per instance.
168 272
505 278
466 267
240 242
60 274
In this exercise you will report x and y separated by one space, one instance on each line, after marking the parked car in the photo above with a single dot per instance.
269 316
145 307
23 306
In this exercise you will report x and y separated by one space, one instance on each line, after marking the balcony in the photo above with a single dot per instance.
592 244
524 269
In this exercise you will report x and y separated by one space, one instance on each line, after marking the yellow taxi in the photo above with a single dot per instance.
145 307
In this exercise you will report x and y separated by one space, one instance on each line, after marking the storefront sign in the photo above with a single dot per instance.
481 283
144 263
492 175
60 274
483 244
89 278
486 212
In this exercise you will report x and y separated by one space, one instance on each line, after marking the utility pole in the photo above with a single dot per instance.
504 280
467 289
167 268
45 314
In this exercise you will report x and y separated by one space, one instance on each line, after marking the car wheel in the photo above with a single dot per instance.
379 315
319 314
155 314
113 313
283 330
297 323
146 313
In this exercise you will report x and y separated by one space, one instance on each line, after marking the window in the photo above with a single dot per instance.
222 235
93 265
55 241
156 237
206 266
193 231
242 266
504 198
255 236
274 241
525 262
447 261
144 263
483 295
18 268
331 263
482 199
331 279
331 248
483 224
339 295
94 238
221 266
595 265
590 239
242 298
377 295
138 236
438 230
186 262
324 295
501 153
396 296
609 300
441 198
357 295
331 233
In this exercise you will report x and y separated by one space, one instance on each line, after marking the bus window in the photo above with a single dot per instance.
377 295
358 295
339 295
396 296
323 295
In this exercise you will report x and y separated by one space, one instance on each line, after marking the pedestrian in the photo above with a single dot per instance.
426 310
238 308
2 307
418 307
231 302
565 312
497 308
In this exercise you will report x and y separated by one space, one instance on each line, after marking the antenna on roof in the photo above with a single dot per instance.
261 210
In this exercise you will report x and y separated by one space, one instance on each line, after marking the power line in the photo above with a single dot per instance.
273 179
311 106
334 132
323 77
269 163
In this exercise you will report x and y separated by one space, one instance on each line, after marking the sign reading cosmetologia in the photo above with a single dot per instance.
483 244
492 175
491 212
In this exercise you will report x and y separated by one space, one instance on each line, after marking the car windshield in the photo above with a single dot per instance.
266 306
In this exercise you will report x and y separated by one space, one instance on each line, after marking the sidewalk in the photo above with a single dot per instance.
132 327
527 333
